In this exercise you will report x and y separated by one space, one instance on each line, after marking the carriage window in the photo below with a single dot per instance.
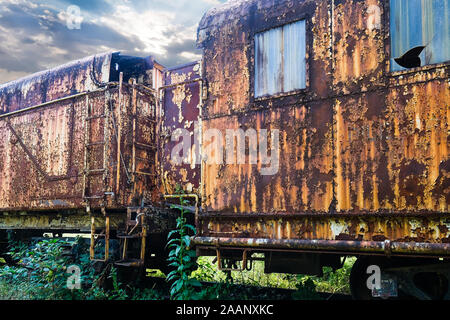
280 59
420 33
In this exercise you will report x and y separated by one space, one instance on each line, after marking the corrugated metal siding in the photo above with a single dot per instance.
280 59
420 23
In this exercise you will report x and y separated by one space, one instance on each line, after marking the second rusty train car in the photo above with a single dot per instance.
310 131
362 164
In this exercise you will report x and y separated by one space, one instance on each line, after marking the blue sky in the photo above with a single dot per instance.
34 35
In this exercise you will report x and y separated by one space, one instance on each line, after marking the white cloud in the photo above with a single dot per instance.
148 26
190 56
33 34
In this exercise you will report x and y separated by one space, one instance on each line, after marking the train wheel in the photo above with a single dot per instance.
423 279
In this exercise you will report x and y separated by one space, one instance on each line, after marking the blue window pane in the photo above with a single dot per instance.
420 23
280 64
294 56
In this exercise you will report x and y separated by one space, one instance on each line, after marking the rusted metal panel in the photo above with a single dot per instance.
359 54
391 157
63 154
304 178
74 77
360 144
181 114
366 226
37 147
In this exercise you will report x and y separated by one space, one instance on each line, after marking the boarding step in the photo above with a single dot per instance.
135 230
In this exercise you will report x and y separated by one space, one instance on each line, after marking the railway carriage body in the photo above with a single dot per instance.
363 163
363 149
345 151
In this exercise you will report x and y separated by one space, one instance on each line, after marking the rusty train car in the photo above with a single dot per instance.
310 131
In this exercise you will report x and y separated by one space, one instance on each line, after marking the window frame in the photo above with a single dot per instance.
252 59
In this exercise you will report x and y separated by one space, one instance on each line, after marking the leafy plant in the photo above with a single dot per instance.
336 281
117 293
41 272
181 258
43 266
207 271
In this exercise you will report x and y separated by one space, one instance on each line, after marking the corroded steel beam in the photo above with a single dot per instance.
74 220
386 247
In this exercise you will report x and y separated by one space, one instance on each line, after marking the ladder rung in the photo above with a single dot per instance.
144 159
96 170
146 173
145 118
93 174
144 145
96 117
149 119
